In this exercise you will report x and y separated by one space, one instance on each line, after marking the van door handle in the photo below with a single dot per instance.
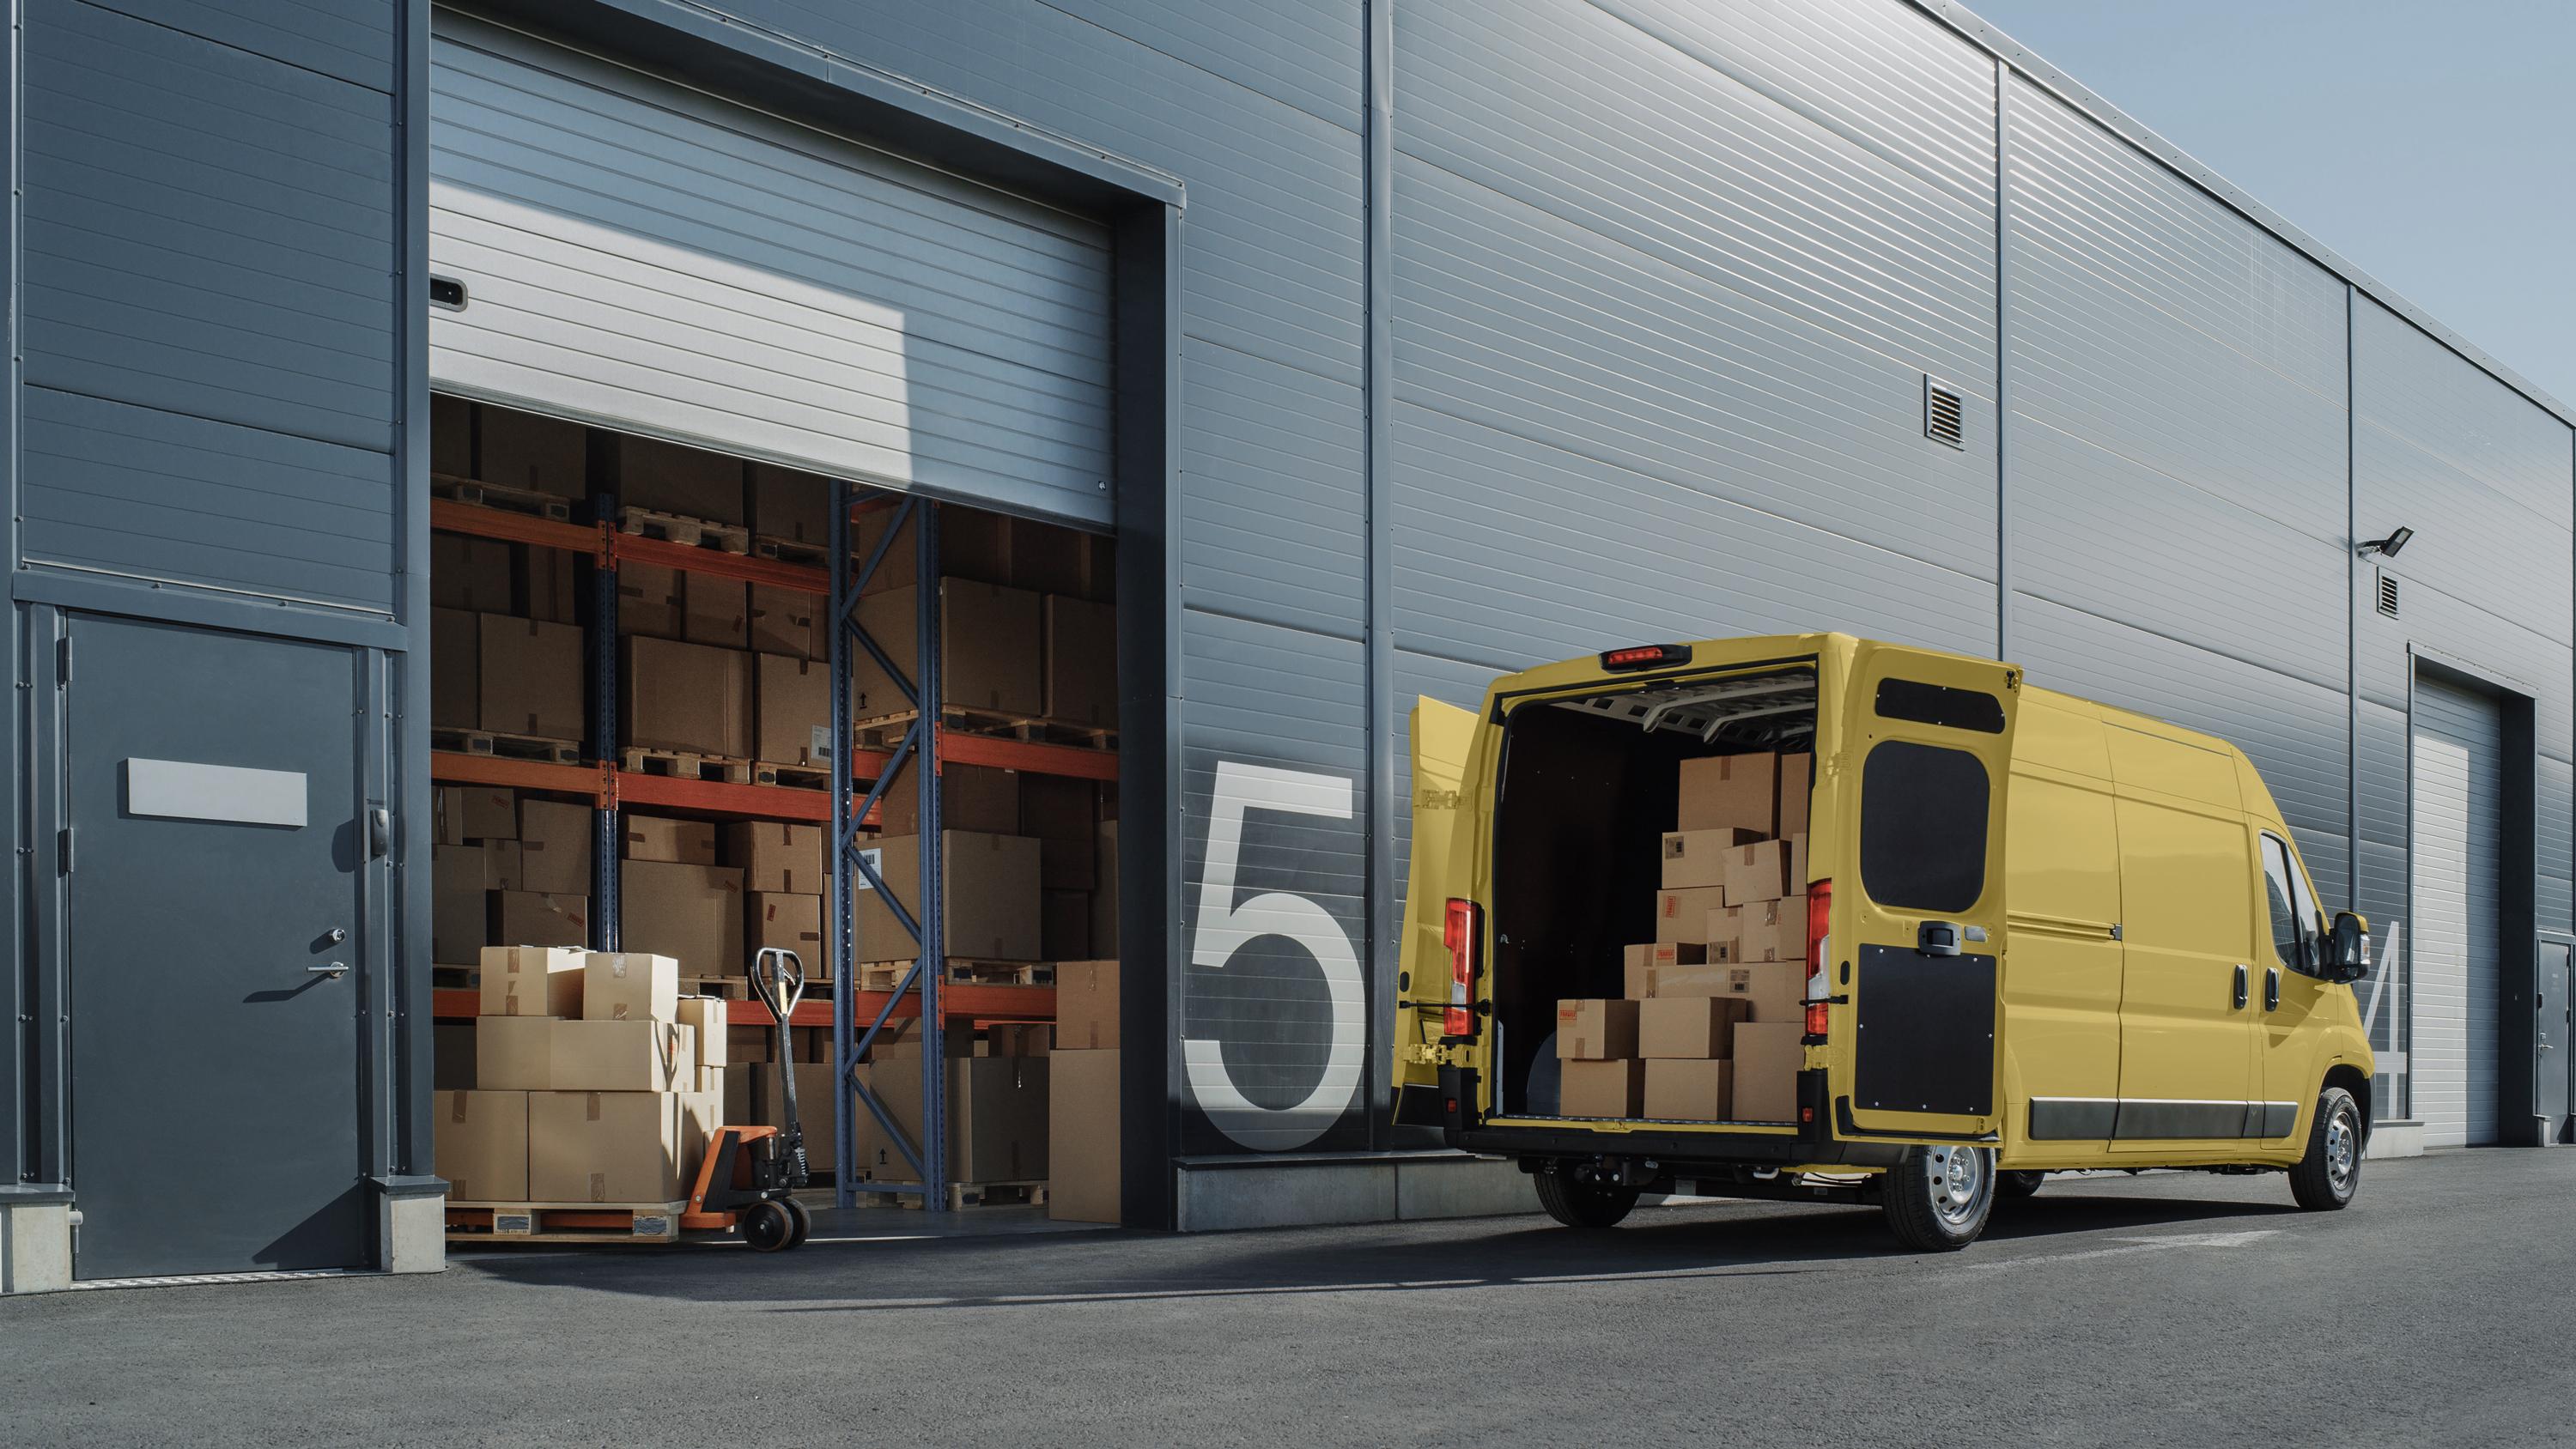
2240 986
2271 988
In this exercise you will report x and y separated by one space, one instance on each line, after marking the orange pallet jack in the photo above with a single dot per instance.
749 1176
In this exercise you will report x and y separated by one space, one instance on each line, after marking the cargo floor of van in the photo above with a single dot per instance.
1588 788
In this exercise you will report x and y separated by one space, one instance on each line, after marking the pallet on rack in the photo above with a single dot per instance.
564 1222
684 530
506 746
455 978
475 493
962 971
731 988
684 765
788 550
884 732
793 777
962 1195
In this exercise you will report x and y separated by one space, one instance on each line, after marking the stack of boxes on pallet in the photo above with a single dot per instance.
507 868
505 637
594 1081
1709 1028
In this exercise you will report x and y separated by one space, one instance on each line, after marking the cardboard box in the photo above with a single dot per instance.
1696 859
523 450
1768 1055
629 986
1775 930
988 641
791 922
491 813
455 677
787 621
745 1044
1612 1088
549 583
1048 558
514 1053
651 600
688 697
704 1016
481 1142
1662 953
662 838
529 674
451 1065
1082 1137
989 897
1064 925
554 846
1079 660
1104 895
634 1055
691 913
1725 932
899 567
791 505
469 573
456 905
615 1147
1757 872
532 980
447 815
668 478
1684 979
1021 1038
1679 1090
1592 1028
451 436
1682 915
1086 1005
774 856
998 1123
715 611
974 544
793 709
536 918
978 798
1775 991
1797 782
1686 1026
1064 816
1729 792
1798 864
501 865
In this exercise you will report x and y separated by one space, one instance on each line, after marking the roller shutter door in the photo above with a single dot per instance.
645 256
2459 843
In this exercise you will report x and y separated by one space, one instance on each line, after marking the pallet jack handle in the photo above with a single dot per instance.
778 977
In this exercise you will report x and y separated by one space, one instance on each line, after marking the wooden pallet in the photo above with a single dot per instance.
788 550
564 1222
683 765
475 493
506 746
731 988
884 732
681 529
962 1195
963 971
793 777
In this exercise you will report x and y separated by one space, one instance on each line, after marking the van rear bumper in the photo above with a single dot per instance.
1680 1151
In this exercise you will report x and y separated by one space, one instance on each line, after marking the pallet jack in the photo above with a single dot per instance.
748 1178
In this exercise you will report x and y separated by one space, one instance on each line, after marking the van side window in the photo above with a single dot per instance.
2290 940
1923 827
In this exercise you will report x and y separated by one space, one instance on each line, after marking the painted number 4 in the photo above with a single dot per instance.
1225 926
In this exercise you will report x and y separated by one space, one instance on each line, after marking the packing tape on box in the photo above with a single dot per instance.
456 1107
599 1187
618 1012
617 968
591 1108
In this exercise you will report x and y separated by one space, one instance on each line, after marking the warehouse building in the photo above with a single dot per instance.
1394 343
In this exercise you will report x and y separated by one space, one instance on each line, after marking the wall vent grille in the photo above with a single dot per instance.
1941 414
2387 594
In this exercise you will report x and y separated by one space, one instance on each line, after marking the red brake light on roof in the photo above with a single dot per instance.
1462 930
1646 656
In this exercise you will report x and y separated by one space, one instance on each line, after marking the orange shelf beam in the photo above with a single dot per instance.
998 1003
448 516
748 802
698 560
1037 759
454 767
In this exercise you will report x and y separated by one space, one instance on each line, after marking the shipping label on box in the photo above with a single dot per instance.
1696 859
1767 1058
1680 1090
1592 1028
622 1056
481 1138
1775 991
1607 1088
1757 872
532 980
1683 915
629 986
1729 792
1775 930
1686 1026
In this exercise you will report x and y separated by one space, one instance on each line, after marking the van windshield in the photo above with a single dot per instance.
1593 793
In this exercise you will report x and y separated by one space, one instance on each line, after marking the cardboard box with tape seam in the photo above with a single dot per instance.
532 980
529 676
990 901
616 1147
691 913
688 698
1729 792
1594 1029
481 1141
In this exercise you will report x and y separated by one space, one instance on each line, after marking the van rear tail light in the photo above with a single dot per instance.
1820 950
1462 930
1646 656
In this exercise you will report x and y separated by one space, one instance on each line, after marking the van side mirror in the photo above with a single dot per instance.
2351 959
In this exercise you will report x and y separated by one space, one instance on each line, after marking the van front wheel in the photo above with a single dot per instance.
1582 1204
2330 1172
1937 1198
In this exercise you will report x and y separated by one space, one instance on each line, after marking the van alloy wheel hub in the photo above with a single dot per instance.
1957 1177
2339 1146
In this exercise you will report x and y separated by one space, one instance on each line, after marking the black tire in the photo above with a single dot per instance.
804 1217
1580 1204
2329 1172
1937 1199
768 1227
2018 1185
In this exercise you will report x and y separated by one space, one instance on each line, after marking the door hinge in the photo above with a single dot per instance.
63 660
63 850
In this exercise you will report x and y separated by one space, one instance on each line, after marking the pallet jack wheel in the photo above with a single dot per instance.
769 1226
804 1217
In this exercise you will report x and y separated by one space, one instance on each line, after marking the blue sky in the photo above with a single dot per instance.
2433 146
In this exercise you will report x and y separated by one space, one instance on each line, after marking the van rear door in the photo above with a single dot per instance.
1444 737
1917 921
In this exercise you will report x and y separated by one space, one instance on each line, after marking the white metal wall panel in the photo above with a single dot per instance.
640 254
2459 789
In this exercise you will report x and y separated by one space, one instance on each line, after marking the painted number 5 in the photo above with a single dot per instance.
1225 926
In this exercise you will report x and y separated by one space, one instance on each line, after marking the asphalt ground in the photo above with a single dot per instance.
2167 1309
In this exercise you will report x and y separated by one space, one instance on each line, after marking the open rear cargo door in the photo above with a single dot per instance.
1443 737
1925 759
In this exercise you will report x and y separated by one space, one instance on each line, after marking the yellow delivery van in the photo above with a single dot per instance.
1826 919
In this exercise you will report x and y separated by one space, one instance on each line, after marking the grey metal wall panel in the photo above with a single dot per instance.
2459 785
1646 128
2383 776
353 40
2473 542
644 255
1305 53
1274 464
2413 386
206 231
2555 829
111 486
2525 659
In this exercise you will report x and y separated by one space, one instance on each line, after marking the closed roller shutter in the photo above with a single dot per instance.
641 255
2459 842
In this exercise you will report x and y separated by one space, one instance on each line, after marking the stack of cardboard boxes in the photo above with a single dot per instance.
505 643
1082 1115
507 868
1709 1028
595 1081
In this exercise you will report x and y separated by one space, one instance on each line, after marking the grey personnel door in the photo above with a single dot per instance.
212 785
2553 1080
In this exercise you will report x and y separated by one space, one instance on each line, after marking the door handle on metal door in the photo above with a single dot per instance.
2240 985
2271 988
335 970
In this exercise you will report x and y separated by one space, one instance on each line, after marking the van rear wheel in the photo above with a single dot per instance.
2329 1174
1579 1203
2019 1184
1937 1199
